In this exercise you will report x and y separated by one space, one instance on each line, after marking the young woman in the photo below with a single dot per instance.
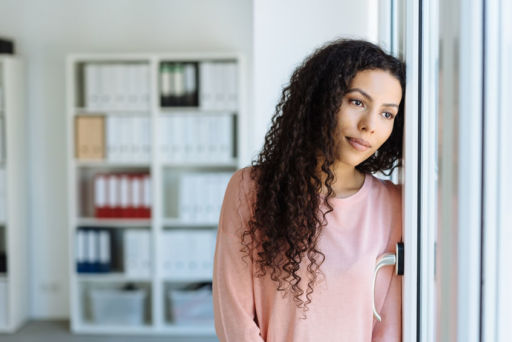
301 229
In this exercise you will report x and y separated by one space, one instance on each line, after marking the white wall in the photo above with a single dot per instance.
45 31
285 32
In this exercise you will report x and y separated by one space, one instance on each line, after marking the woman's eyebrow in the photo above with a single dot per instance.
369 97
360 91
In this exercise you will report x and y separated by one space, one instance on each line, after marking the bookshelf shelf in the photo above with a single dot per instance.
112 222
229 164
181 280
113 111
89 328
110 164
194 111
177 223
193 148
14 306
111 277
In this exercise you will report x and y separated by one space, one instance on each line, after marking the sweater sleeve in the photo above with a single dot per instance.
390 329
233 297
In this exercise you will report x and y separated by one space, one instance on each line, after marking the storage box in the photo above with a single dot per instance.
118 307
191 306
90 137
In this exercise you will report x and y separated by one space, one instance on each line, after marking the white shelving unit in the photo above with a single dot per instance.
165 176
13 197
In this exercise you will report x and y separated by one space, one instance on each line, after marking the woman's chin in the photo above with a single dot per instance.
352 161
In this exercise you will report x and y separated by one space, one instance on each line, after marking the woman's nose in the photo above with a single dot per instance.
366 122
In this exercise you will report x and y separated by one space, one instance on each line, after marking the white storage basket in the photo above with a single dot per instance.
191 307
118 307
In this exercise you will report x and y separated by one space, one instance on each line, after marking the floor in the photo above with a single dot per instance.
58 331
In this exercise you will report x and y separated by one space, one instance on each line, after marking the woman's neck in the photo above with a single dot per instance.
347 180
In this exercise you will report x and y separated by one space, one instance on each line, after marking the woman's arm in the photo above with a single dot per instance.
233 298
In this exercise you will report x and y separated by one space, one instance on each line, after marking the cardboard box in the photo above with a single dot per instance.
90 137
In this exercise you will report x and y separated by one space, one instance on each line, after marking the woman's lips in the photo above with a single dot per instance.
357 144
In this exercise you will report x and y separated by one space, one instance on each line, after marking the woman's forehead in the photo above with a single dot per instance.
379 85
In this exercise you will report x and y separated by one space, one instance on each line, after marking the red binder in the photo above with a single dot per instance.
100 196
114 205
124 195
135 195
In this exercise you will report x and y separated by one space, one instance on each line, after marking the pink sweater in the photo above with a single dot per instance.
362 227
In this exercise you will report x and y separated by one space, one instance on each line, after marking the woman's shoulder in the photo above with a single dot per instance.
390 200
238 202
390 190
243 179
242 184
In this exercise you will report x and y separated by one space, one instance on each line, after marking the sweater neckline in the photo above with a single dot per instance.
355 196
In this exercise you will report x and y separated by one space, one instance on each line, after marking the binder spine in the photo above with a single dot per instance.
104 251
146 199
80 251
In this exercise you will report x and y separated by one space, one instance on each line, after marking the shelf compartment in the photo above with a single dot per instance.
194 196
113 138
113 207
178 83
187 255
198 139
105 254
104 85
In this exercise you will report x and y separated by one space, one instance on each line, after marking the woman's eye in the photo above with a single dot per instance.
389 115
356 102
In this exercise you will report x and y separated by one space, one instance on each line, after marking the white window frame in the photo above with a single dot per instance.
410 173
464 294
504 295
429 168
399 29
497 253
417 41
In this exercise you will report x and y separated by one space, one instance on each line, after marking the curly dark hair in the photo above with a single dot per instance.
285 225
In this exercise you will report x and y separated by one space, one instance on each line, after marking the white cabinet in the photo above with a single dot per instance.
152 141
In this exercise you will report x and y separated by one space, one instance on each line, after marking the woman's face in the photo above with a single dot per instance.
367 114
